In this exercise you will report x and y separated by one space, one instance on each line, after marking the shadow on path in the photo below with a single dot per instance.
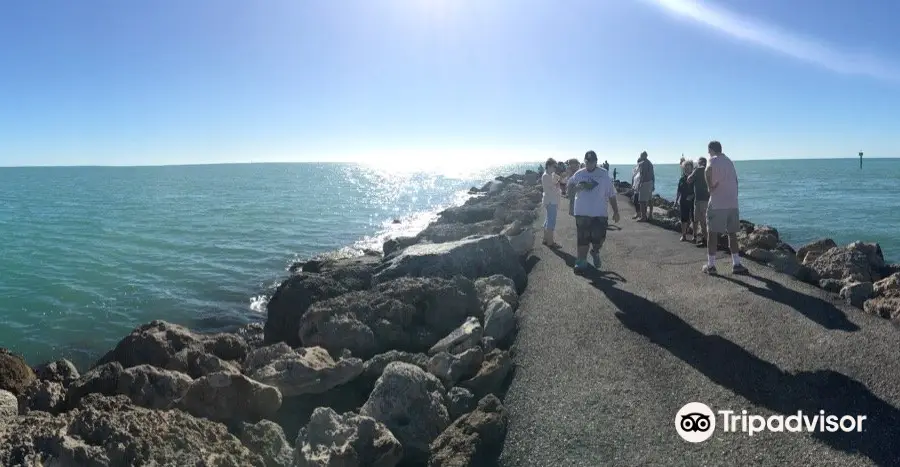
815 309
764 384
598 278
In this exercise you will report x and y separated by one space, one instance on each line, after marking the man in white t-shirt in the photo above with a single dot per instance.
593 190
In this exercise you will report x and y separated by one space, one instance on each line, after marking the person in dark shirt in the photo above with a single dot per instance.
685 198
701 200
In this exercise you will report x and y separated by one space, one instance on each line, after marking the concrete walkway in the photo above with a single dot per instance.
605 362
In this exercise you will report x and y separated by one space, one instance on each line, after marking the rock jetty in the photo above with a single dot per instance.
399 358
856 272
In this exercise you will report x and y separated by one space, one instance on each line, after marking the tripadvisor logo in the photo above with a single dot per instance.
696 422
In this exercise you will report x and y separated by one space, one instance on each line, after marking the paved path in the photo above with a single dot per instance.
605 363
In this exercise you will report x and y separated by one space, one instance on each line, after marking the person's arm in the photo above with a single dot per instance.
708 175
613 202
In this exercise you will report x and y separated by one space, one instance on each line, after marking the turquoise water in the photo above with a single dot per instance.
88 253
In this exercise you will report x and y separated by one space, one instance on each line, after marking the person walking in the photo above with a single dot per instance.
701 199
550 184
723 216
684 198
593 190
635 182
645 189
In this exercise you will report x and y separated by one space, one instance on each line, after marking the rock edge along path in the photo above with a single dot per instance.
605 362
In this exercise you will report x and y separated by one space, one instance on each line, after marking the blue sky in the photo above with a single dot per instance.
107 82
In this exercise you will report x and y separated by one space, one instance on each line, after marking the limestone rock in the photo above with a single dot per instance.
103 379
451 368
499 319
831 285
308 370
331 440
889 286
888 308
460 402
227 396
44 395
409 402
497 286
59 371
374 367
473 439
409 314
15 374
816 248
872 251
267 439
472 257
842 264
290 302
762 237
9 405
856 293
759 254
196 363
152 387
491 376
463 338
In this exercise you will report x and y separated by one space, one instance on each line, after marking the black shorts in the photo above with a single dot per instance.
687 211
591 230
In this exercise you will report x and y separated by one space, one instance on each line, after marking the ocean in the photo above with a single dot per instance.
88 253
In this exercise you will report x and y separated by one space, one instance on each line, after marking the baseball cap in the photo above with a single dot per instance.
590 156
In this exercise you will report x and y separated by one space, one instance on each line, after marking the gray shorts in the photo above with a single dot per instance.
700 208
645 191
725 221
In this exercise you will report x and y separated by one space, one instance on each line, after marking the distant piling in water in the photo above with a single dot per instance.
860 159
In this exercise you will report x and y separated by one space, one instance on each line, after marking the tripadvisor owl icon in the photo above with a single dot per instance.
695 422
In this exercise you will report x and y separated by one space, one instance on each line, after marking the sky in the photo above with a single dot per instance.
107 82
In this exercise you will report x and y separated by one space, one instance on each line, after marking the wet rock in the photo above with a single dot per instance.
463 338
157 343
842 264
473 258
857 293
60 371
408 314
15 374
9 405
152 387
816 248
460 402
473 439
451 368
499 319
888 308
291 301
889 286
266 438
309 370
497 286
103 379
43 395
488 344
331 439
227 397
111 431
409 402
491 376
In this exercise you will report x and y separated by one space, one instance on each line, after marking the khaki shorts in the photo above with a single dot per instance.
645 191
725 221
700 209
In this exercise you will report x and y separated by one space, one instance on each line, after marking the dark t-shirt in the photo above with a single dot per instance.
685 189
701 191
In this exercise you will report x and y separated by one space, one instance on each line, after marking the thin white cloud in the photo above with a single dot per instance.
771 37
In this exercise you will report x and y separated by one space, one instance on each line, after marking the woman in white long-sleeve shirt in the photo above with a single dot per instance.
550 184
635 183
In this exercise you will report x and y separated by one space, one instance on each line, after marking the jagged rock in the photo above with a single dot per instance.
467 214
44 395
763 237
408 314
157 343
267 439
473 439
9 405
497 286
889 286
262 356
857 293
409 402
15 374
196 363
499 319
521 237
349 440
60 371
451 368
759 254
488 344
396 244
888 308
473 258
816 248
253 334
152 387
492 374
831 285
227 396
460 402
463 338
374 367
872 252
103 379
440 233
111 431
308 370
842 264
291 301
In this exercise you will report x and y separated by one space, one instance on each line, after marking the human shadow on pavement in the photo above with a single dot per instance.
593 274
815 309
764 384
